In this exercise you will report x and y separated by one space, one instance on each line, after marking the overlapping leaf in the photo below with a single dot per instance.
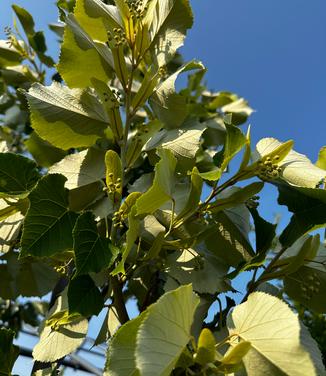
48 224
55 344
169 24
80 169
66 118
297 169
162 188
18 175
172 108
274 330
79 49
92 253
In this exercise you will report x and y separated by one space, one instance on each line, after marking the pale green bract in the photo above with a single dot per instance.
297 169
280 345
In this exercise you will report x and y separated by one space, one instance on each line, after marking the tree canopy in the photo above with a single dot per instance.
117 186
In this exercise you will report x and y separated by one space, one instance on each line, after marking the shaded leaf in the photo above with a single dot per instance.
48 223
92 253
18 175
8 353
171 108
84 297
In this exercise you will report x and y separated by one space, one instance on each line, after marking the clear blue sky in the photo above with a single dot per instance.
272 52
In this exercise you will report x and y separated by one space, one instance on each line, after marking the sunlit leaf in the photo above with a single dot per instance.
273 330
161 190
81 168
159 347
66 118
55 344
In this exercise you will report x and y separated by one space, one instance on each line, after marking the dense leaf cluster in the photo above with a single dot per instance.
115 186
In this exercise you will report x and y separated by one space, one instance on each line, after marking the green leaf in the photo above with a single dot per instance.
92 253
121 359
56 344
206 273
81 169
236 353
78 49
161 190
8 353
9 56
235 141
11 220
193 198
159 346
44 153
84 297
172 108
206 352
169 21
309 208
307 250
307 285
25 19
95 16
274 330
183 142
321 162
66 118
147 86
235 196
25 277
18 175
230 241
48 223
239 109
265 232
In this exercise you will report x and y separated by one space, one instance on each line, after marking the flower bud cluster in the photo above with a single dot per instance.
268 168
118 218
118 37
114 98
137 9
252 202
163 71
61 269
310 286
113 187
141 129
12 41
